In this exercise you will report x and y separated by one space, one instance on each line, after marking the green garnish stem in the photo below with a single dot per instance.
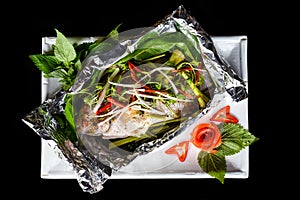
173 112
202 99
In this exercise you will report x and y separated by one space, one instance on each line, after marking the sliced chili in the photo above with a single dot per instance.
180 149
224 115
103 108
132 72
134 67
115 102
185 94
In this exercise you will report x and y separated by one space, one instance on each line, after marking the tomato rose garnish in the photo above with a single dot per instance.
207 137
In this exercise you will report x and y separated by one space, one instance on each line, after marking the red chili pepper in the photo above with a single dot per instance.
103 108
180 149
133 75
198 72
200 66
153 91
132 98
186 69
132 66
183 69
146 87
224 115
111 100
185 94
197 76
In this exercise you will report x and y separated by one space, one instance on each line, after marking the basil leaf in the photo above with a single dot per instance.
63 49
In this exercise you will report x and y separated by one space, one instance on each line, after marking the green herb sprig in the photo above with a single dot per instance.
64 61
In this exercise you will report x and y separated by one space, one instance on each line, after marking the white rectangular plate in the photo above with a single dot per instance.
157 164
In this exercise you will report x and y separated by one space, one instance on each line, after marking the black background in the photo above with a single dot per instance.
26 23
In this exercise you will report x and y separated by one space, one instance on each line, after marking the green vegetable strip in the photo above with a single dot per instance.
202 99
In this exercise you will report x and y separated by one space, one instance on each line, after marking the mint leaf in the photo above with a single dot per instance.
45 63
213 163
63 49
234 138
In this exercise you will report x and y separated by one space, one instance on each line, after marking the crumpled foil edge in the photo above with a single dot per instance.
90 173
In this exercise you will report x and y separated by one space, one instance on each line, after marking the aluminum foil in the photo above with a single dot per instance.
93 163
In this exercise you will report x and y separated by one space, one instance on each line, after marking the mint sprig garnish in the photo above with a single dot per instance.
234 138
64 61
59 63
